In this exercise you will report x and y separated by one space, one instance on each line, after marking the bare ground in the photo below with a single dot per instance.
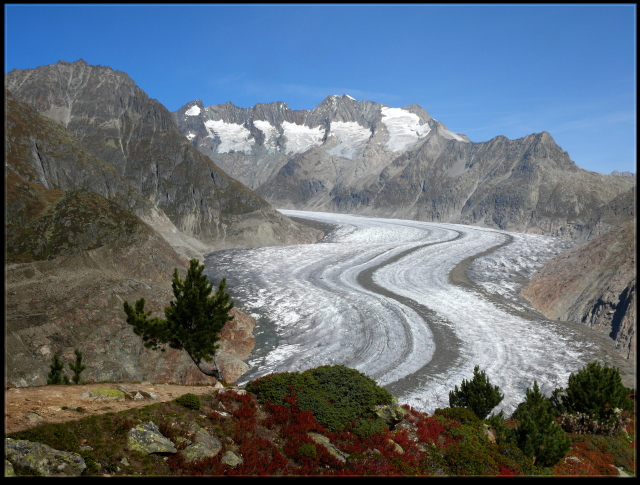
26 407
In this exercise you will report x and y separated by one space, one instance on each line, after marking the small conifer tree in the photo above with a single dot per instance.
56 375
77 367
536 433
596 391
193 321
477 394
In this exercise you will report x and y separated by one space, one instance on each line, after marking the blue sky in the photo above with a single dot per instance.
482 70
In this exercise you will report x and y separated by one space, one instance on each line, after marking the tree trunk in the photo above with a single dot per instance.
208 371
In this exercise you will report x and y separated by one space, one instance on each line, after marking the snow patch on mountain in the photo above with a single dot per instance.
300 138
455 136
352 136
404 128
233 137
193 111
270 133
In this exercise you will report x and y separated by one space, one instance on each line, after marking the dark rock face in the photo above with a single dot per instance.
593 283
363 157
136 136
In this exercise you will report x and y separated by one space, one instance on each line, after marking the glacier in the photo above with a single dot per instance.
413 305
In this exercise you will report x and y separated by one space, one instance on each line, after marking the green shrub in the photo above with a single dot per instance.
190 401
336 395
308 450
77 367
467 458
477 394
536 432
597 392
461 415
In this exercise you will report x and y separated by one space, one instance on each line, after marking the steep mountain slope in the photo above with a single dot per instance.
42 157
117 122
81 252
363 157
593 283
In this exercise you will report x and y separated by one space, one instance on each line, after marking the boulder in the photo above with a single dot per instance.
324 441
231 459
204 446
391 414
43 458
146 437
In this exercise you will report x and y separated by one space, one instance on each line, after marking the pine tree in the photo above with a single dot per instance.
193 320
56 375
536 433
77 367
597 391
477 394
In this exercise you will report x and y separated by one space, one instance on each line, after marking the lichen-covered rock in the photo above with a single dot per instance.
146 437
324 441
104 394
231 459
391 414
396 447
8 469
43 458
204 446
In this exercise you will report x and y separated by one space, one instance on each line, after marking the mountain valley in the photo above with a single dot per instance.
107 191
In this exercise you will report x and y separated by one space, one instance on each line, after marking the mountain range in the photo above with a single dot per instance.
367 158
107 191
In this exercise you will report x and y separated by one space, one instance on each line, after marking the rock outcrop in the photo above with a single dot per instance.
76 302
593 283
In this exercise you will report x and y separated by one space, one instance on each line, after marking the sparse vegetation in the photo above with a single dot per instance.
276 439
190 401
56 375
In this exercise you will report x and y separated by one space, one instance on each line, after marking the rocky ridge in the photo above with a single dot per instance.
136 138
367 158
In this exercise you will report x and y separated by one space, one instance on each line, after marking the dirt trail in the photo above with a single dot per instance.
26 407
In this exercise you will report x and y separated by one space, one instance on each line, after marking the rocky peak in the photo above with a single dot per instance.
138 138
623 174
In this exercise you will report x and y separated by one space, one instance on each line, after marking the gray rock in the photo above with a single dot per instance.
43 458
8 469
146 437
204 446
391 414
324 441
231 459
